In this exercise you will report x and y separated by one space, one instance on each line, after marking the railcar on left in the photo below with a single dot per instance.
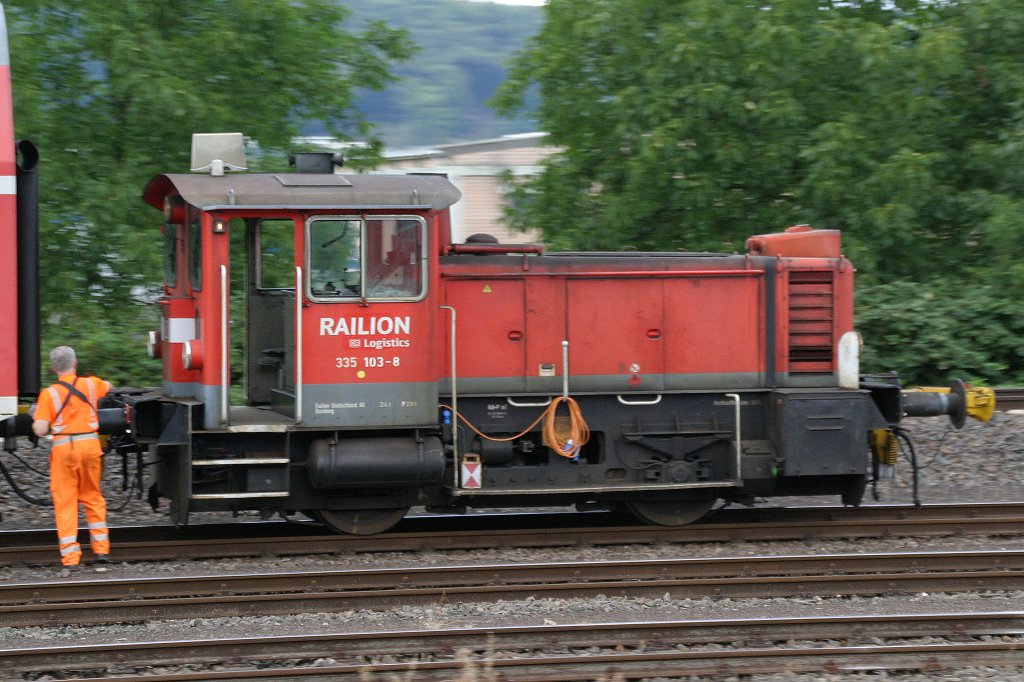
20 365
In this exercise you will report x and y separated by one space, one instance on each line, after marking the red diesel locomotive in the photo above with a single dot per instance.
386 367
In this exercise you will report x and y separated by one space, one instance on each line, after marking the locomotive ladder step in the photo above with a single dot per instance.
239 496
280 463
235 461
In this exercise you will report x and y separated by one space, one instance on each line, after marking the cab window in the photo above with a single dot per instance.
394 258
170 231
276 248
334 258
195 249
376 258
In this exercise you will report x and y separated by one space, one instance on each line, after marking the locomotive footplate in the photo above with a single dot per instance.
678 442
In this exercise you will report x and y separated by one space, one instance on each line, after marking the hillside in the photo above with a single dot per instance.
442 93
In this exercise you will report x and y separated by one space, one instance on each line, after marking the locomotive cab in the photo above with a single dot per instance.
295 306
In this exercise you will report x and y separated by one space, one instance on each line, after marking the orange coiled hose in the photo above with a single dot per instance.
565 441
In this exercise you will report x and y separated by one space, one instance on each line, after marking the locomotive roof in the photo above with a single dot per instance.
303 190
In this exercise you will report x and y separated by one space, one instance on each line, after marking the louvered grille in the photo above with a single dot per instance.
811 318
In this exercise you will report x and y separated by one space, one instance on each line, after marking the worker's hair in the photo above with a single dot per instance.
62 359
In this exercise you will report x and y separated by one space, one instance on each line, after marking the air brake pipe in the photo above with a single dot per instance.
112 421
931 403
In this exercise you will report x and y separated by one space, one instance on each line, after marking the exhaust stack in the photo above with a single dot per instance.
29 369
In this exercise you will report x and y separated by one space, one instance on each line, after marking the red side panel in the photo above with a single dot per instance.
8 238
492 321
349 345
715 324
617 327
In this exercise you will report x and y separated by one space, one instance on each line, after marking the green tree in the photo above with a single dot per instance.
694 124
111 93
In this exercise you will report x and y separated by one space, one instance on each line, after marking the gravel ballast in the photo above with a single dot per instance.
981 463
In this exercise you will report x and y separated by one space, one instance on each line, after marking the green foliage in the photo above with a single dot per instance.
694 124
111 93
114 352
940 331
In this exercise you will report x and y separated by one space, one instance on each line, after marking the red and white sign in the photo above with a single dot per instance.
472 472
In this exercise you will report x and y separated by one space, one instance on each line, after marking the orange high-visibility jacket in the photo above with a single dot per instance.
68 414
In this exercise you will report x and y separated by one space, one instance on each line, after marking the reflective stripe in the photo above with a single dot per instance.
70 538
61 440
73 549
179 329
98 524
55 398
98 536
8 406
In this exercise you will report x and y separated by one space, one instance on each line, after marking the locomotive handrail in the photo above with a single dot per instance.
638 402
604 273
224 343
739 445
565 370
513 403
495 248
455 404
624 488
298 344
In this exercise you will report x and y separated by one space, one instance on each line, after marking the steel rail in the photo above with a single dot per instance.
567 529
1009 399
89 602
695 644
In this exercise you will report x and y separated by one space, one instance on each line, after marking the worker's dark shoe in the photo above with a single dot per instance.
102 558
70 570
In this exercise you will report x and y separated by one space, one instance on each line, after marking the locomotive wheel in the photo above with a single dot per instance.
361 521
670 513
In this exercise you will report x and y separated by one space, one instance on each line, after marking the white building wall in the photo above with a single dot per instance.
476 168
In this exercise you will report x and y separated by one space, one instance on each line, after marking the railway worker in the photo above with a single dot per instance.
68 409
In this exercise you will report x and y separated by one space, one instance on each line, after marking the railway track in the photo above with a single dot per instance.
103 601
136 543
558 652
575 650
1009 399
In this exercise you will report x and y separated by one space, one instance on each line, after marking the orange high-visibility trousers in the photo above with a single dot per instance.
76 468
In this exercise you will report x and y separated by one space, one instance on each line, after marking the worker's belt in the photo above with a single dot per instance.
70 437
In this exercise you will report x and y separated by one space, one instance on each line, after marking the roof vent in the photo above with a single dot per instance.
218 152
315 162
